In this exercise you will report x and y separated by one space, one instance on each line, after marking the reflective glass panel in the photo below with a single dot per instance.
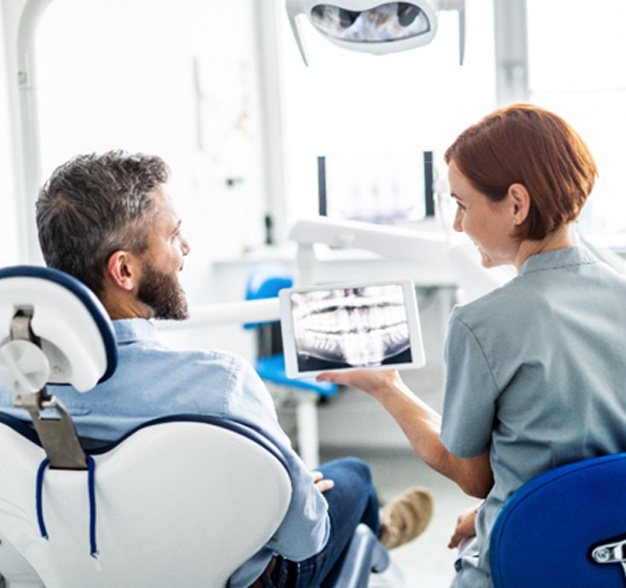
388 22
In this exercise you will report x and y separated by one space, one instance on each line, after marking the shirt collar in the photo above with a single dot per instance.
134 329
557 258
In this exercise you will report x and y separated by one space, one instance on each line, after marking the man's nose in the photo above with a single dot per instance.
185 247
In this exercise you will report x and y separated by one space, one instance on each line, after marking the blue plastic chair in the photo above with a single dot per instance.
266 280
566 527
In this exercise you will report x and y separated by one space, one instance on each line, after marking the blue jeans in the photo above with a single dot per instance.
351 501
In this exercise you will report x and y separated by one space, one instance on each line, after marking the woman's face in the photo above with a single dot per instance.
490 225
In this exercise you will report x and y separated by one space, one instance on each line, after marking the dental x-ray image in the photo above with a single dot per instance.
350 327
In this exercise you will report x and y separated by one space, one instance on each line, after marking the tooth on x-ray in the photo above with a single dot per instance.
357 326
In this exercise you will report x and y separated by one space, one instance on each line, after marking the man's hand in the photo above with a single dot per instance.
465 527
320 482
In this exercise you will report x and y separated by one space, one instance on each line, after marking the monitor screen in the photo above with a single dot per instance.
386 187
347 326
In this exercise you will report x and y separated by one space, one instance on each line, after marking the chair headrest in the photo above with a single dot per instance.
75 331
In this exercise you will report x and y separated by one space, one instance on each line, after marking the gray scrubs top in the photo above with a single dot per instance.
536 374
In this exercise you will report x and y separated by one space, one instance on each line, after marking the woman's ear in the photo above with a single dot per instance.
122 269
520 202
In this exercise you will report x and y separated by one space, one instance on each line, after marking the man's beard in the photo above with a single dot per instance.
163 294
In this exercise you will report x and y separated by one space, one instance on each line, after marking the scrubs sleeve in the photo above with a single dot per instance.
470 395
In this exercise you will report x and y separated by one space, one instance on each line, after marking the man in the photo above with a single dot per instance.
107 221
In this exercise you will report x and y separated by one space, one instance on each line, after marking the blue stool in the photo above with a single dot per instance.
566 527
265 281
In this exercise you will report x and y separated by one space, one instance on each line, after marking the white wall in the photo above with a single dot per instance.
178 79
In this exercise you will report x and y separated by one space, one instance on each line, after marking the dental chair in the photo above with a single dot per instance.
182 500
566 527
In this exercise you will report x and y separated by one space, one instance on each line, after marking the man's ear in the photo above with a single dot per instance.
123 269
520 202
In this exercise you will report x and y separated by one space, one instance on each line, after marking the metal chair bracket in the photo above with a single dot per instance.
611 553
56 433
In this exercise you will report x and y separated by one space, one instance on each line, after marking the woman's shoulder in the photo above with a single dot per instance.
502 304
537 296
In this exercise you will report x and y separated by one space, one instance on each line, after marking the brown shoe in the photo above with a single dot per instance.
405 517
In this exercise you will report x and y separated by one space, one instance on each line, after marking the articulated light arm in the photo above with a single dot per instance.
243 311
386 241
295 12
459 6
373 26
430 249
20 19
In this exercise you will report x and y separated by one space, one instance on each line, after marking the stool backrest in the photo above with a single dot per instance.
547 532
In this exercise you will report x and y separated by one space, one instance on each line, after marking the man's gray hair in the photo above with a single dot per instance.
94 205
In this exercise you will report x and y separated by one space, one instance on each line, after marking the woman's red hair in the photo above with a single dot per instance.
526 144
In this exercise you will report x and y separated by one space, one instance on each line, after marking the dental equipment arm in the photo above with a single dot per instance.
431 249
388 242
21 21
246 311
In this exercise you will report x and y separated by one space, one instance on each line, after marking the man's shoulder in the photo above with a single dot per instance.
185 365
157 352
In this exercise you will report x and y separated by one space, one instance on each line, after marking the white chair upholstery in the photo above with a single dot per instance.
15 571
181 501
177 503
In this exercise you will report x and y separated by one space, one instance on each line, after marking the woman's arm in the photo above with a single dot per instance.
422 427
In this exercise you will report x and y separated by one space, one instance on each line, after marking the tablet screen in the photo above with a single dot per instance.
348 326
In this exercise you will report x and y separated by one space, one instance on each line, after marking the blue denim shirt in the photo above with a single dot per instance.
152 380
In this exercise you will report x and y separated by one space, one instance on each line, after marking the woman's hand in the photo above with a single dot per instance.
465 527
371 381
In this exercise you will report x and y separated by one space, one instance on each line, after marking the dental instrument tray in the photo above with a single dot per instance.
346 326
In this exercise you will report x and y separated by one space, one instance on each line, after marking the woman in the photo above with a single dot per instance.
535 369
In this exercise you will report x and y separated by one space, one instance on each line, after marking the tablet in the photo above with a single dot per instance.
350 326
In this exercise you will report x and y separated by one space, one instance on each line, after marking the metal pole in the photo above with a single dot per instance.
30 163
270 98
511 44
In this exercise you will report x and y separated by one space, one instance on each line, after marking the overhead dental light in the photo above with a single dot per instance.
373 26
